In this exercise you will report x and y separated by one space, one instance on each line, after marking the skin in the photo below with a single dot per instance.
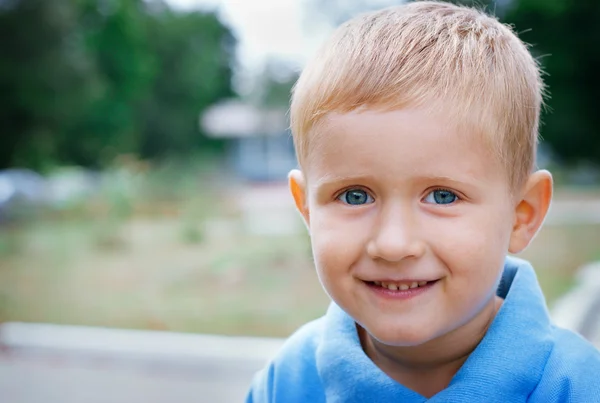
405 195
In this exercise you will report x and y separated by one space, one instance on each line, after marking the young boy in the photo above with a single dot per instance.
416 129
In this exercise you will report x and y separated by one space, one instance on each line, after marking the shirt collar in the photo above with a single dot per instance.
506 365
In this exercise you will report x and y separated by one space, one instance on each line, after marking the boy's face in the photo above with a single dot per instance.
403 198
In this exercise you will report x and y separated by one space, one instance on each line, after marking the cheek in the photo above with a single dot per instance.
337 241
476 268
483 244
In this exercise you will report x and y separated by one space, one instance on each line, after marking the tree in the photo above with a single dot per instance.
566 34
83 81
43 70
194 53
116 42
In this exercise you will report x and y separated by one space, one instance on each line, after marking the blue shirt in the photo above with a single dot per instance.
522 358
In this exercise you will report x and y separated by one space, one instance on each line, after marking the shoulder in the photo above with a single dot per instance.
572 372
292 375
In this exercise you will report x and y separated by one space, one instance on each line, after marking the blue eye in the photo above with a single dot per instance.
355 197
441 196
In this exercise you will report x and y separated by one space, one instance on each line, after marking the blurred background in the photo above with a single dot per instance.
144 152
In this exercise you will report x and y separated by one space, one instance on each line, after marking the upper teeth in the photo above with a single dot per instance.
400 286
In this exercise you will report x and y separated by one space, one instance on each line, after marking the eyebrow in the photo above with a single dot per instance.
442 178
332 179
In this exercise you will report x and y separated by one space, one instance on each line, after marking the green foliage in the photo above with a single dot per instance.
193 71
84 81
566 34
42 77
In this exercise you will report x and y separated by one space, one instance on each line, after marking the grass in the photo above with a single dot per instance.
178 260
161 249
249 285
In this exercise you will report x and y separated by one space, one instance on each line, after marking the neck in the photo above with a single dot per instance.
428 368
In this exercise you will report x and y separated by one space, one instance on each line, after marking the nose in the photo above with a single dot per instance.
395 237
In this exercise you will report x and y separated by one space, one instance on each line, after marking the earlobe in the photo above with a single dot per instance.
297 185
531 210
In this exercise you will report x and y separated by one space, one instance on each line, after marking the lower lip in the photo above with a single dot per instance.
400 294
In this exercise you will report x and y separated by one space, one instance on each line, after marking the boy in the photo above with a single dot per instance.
415 129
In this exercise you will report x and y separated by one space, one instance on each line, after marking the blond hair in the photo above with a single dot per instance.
428 53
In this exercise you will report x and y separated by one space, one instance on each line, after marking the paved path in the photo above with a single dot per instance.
38 379
579 309
55 364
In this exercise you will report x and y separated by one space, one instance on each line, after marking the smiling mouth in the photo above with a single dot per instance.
402 286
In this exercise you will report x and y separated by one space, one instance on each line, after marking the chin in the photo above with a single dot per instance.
400 337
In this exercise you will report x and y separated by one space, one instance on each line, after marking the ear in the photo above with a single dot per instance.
531 210
297 185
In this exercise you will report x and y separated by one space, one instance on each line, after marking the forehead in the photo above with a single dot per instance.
399 144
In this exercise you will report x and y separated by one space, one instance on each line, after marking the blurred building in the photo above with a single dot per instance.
260 143
261 153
